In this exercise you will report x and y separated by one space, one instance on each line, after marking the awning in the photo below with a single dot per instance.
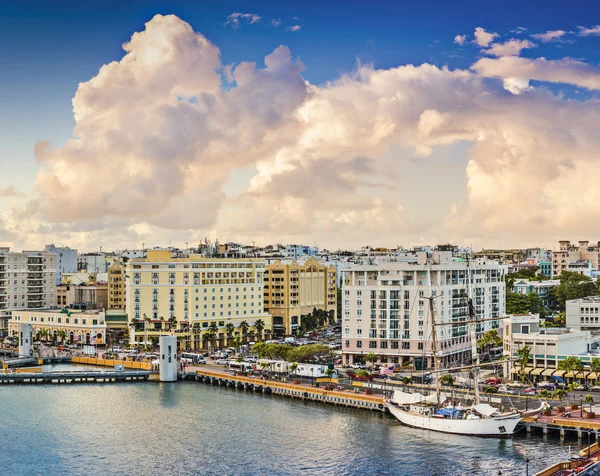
557 378
547 372
560 373
592 376
537 371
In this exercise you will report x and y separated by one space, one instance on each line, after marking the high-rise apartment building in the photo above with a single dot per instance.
191 295
569 254
386 310
116 286
27 281
293 290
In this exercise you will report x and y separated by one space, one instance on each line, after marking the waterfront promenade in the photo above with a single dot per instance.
325 394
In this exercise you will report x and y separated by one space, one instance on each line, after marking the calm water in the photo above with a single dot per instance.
191 428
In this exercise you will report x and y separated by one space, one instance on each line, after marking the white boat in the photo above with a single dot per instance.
429 413
418 411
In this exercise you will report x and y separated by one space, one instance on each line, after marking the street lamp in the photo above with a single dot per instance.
526 466
581 406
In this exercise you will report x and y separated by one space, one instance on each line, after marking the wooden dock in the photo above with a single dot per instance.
36 376
302 392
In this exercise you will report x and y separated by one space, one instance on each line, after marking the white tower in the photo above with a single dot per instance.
25 339
168 358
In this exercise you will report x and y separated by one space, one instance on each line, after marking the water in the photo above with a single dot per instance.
192 428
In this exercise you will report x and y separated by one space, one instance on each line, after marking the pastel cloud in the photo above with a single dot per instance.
594 31
511 47
484 38
157 140
293 28
9 191
550 35
460 39
234 19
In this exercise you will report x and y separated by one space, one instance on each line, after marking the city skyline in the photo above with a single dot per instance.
380 125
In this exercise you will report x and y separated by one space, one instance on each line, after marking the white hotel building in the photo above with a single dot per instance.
386 310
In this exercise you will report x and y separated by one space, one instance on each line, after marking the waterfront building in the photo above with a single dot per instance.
386 311
27 281
583 313
293 290
116 286
546 268
85 327
200 299
548 346
66 260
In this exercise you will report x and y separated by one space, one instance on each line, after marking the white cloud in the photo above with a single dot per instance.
567 71
483 38
158 141
550 35
511 47
519 30
293 28
583 31
460 39
234 19
276 22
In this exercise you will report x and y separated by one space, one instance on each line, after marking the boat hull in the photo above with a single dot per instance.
493 427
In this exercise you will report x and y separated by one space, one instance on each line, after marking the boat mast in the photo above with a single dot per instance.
433 332
472 319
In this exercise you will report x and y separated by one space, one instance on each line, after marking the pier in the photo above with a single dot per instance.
562 425
298 391
36 376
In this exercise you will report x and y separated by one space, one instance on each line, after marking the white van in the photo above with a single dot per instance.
241 366
193 358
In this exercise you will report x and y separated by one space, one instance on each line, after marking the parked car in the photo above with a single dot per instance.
595 388
515 385
493 381
505 389
531 391
582 387
222 362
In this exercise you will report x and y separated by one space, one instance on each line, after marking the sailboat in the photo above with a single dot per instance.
430 413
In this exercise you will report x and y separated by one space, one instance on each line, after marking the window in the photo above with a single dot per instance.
372 344
359 343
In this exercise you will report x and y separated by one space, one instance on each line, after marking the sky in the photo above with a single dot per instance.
341 124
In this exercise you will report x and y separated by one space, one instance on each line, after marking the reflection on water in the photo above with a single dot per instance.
190 428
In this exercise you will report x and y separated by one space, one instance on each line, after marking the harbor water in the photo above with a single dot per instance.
191 428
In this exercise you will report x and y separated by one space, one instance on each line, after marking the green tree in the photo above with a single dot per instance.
489 339
172 321
572 286
571 364
244 330
561 319
489 389
595 365
293 367
310 353
447 380
339 303
589 399
544 393
236 343
406 381
62 335
162 322
371 357
259 325
362 373
523 356
229 329
559 394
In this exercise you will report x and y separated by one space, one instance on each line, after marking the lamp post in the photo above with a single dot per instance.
581 407
526 466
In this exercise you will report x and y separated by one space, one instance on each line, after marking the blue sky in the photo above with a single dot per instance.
48 48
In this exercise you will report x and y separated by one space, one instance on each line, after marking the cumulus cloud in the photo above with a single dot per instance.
550 35
511 47
9 191
293 28
583 31
234 19
460 39
158 142
567 71
276 22
484 38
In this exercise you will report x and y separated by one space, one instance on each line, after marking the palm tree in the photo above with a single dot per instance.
43 333
371 357
213 331
264 366
589 399
244 329
162 323
293 367
237 343
229 329
146 322
259 325
62 335
172 321
268 333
